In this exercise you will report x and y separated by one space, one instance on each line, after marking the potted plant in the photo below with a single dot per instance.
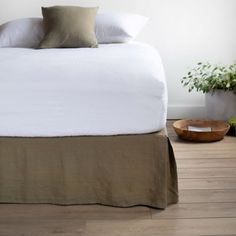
219 85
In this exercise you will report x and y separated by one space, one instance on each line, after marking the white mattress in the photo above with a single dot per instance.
115 89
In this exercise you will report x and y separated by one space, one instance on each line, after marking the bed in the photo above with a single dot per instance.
85 126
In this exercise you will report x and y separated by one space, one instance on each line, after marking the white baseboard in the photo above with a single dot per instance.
181 112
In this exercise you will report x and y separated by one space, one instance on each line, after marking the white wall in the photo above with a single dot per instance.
184 32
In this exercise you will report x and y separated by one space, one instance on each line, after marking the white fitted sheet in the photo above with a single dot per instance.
114 89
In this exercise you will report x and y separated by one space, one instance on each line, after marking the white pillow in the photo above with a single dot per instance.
110 28
23 33
118 27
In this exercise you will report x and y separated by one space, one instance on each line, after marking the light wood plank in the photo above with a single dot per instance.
221 183
227 142
207 173
29 227
196 210
204 148
206 163
162 227
227 149
206 155
84 212
207 195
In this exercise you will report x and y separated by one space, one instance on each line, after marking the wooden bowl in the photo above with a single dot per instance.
218 130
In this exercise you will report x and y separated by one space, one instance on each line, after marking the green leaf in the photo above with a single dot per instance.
232 121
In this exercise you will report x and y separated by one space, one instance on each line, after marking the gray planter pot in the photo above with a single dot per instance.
220 105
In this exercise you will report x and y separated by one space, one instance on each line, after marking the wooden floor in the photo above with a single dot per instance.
207 183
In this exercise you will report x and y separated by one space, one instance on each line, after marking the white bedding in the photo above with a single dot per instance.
115 89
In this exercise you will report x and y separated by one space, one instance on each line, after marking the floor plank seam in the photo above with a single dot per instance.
194 218
195 203
233 168
212 177
205 159
216 189
201 167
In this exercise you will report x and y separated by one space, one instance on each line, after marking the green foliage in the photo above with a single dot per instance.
206 77
232 121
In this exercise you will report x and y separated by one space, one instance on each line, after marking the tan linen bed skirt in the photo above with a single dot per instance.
117 171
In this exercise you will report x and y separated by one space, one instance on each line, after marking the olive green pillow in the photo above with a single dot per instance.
69 27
